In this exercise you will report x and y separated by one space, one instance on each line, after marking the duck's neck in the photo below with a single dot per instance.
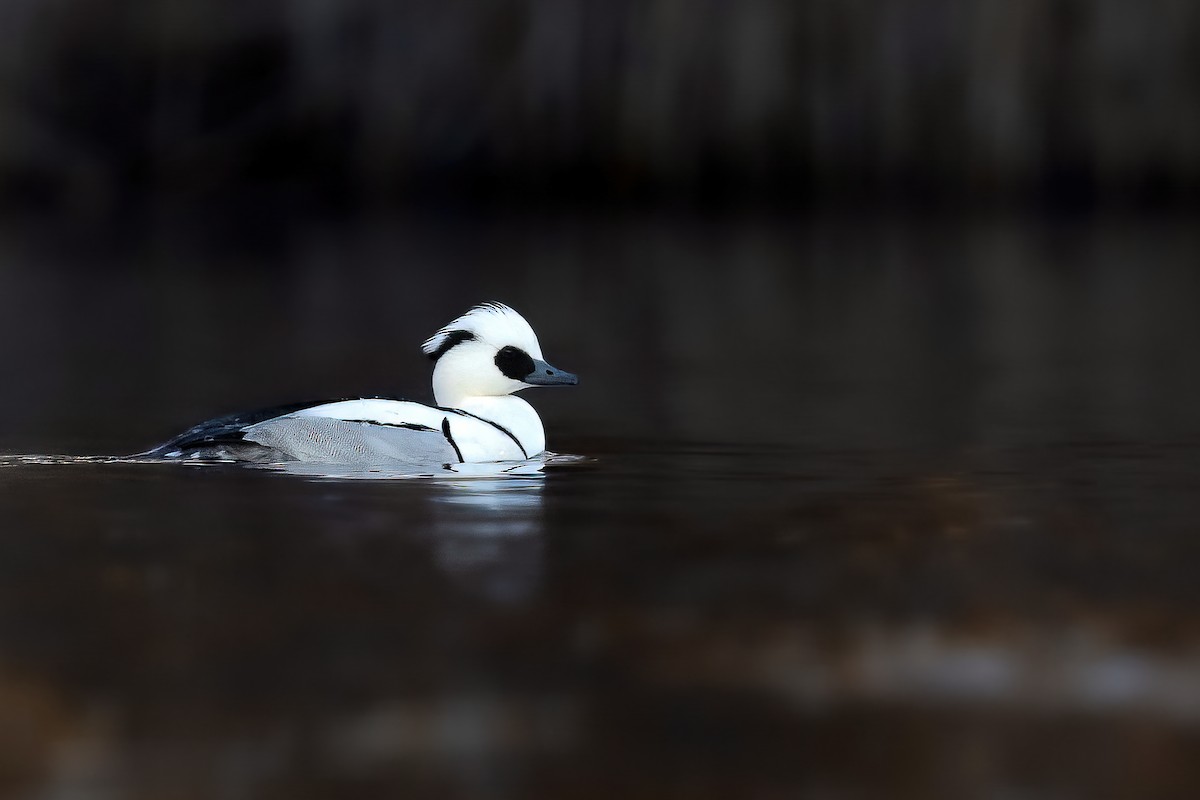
511 413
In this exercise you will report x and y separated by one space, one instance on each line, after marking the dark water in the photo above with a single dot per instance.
867 510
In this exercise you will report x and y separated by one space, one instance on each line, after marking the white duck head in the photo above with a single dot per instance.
490 351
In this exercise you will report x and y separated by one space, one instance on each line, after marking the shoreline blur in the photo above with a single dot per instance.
363 103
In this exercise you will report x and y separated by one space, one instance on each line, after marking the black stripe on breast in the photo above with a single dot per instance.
495 425
450 439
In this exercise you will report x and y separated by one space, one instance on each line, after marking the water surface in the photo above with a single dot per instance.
865 510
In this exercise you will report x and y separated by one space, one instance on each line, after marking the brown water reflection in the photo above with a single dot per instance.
950 552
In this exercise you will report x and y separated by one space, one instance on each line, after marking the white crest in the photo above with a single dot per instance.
492 323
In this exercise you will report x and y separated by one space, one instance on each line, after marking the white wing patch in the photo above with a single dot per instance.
478 441
384 412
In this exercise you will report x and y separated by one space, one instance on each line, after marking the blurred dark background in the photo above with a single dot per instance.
350 103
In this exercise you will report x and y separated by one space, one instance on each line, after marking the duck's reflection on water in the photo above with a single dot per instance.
486 531
353 472
488 535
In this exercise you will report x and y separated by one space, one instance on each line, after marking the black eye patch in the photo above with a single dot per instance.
514 362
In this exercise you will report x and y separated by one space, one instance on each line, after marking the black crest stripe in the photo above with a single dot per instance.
450 439
453 338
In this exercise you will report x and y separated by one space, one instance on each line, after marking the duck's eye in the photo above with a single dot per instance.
514 362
